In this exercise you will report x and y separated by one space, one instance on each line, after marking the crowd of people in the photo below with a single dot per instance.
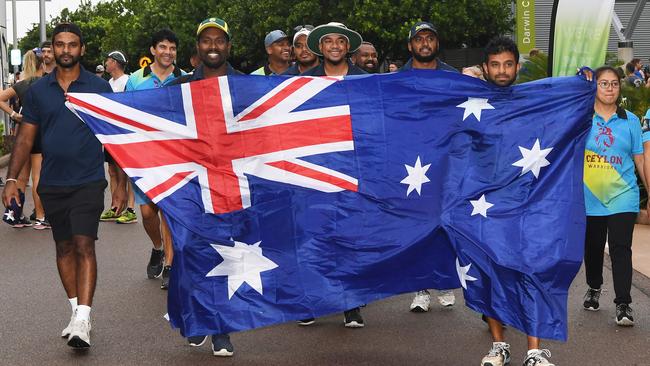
68 187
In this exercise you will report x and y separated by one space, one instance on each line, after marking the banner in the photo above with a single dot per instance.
293 198
579 35
525 13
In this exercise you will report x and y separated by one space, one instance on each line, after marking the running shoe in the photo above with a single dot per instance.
624 315
446 298
80 334
353 318
591 299
165 277
499 355
196 341
41 224
221 345
421 302
306 322
67 330
22 222
538 357
109 215
155 266
127 217
33 215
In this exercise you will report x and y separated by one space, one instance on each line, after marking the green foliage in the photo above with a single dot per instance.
127 24
534 69
635 100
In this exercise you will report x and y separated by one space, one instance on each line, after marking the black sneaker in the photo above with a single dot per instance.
624 315
221 345
33 215
197 341
305 322
155 266
591 299
353 318
165 277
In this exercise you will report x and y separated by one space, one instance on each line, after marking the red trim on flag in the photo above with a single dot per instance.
169 183
314 174
108 114
277 98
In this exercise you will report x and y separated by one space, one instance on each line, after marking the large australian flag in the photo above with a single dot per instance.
292 198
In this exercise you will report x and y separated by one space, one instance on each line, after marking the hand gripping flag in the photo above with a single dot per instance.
292 198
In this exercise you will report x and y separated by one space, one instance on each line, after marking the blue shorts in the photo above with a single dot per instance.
140 197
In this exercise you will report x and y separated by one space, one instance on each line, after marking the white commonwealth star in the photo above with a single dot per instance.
462 274
533 160
242 263
474 106
10 215
480 206
416 176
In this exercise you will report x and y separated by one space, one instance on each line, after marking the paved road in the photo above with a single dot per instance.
128 327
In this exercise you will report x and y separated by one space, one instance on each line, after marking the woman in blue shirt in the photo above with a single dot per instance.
612 152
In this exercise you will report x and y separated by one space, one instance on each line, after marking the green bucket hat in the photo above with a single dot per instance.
314 37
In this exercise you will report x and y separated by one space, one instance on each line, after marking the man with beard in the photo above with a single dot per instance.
305 59
366 58
334 41
213 49
160 73
72 179
278 50
424 47
500 68
48 57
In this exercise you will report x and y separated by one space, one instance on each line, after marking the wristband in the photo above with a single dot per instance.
11 180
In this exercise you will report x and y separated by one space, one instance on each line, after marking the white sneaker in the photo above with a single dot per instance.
421 302
499 355
538 357
80 334
446 298
67 330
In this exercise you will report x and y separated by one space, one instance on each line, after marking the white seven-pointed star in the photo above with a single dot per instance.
474 106
416 176
462 274
10 215
241 263
533 160
480 206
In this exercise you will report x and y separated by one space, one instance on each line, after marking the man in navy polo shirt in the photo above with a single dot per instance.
72 177
424 46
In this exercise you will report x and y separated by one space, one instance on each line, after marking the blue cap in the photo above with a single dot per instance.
274 36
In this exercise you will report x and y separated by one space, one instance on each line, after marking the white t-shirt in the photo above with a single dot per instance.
119 84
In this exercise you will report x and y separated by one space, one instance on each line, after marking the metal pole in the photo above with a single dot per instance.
41 10
14 22
4 69
634 19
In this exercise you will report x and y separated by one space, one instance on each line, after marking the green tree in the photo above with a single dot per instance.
128 24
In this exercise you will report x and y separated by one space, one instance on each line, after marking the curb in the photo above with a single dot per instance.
4 161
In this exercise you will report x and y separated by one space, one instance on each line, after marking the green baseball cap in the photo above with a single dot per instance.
213 23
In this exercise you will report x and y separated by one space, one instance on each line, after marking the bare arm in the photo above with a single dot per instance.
5 95
645 166
19 155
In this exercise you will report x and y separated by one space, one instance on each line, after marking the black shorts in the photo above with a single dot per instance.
108 158
73 210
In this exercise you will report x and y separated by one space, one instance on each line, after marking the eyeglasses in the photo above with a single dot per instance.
606 84
308 27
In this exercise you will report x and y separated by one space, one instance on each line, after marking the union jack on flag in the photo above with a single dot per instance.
221 146
295 198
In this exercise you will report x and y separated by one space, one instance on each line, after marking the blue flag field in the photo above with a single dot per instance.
293 198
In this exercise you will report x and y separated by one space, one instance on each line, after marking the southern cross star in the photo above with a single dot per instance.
480 206
242 263
474 106
462 274
533 160
416 176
